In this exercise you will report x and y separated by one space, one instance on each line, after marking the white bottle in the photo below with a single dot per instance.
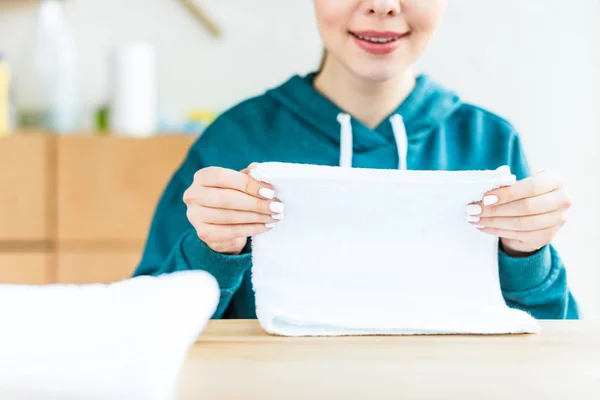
134 96
47 88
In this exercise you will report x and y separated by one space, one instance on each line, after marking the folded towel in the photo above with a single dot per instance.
364 251
127 340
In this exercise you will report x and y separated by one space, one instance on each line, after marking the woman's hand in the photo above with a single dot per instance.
526 216
226 207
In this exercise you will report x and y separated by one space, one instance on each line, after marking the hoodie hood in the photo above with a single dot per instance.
424 110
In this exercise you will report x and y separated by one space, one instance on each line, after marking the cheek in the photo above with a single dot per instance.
424 16
325 13
332 16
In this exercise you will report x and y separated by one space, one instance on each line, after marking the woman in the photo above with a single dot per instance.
363 108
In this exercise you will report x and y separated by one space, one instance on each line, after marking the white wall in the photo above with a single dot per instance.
536 62
262 45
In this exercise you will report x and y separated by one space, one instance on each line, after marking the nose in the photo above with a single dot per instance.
390 8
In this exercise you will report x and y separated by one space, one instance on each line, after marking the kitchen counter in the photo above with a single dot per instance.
238 360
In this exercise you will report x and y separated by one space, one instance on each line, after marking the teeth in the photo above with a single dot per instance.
378 40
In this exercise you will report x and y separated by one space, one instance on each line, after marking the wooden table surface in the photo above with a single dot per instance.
237 360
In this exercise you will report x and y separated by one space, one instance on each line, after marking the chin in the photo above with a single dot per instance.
378 71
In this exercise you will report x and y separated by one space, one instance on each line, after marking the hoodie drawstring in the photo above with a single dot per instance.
401 139
345 140
346 146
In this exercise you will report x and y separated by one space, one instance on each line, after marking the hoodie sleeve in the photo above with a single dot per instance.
173 245
538 283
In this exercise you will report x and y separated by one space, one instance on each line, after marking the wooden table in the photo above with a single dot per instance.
237 360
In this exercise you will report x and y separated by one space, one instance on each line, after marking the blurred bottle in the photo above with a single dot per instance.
46 86
5 107
134 91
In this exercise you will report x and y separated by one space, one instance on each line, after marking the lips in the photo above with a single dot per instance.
378 43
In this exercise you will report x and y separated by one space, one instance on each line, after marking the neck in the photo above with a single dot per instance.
367 101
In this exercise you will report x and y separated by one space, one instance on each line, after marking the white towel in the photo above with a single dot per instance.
363 251
126 340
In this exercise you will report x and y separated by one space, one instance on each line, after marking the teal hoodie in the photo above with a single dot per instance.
295 123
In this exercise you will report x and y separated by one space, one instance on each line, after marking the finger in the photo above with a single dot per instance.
249 168
221 233
536 185
229 199
546 203
536 237
525 223
228 217
228 179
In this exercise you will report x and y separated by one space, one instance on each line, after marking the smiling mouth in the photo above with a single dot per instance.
379 38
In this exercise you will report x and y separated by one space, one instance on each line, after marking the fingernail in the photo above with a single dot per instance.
277 207
473 218
277 216
270 226
474 209
266 193
489 200
479 226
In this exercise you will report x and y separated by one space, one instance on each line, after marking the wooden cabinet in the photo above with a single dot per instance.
98 266
108 187
25 188
78 209
25 268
